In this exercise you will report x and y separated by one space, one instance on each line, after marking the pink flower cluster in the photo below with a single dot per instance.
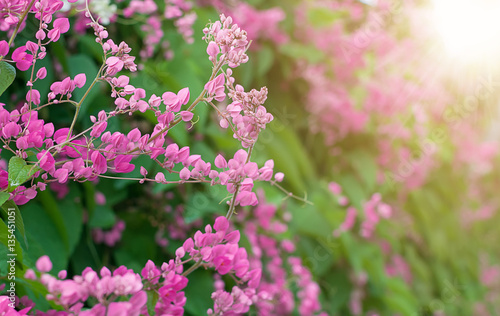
216 248
374 209
10 11
111 237
65 156
365 57
263 229
230 41
107 286
7 307
25 56
246 114
73 293
180 11
260 24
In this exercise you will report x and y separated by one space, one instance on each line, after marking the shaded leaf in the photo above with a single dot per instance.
19 172
10 205
7 75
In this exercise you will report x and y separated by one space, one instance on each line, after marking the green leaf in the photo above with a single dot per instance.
7 75
19 172
53 213
152 299
10 205
322 17
65 215
201 204
300 51
198 292
11 243
265 57
103 217
308 220
83 64
365 166
4 196
44 237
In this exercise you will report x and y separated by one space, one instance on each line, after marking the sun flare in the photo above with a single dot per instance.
469 29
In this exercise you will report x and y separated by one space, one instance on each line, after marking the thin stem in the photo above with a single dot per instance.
152 180
289 194
192 268
79 105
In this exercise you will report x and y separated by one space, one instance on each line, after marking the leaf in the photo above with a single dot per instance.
196 290
103 217
265 58
152 299
300 51
366 168
83 64
6 208
203 203
44 237
11 243
322 17
4 196
7 75
19 172
65 215
51 208
308 220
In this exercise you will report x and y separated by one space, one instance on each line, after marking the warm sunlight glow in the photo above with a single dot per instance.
470 29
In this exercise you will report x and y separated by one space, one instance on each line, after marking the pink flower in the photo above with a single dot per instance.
220 162
99 163
23 60
61 26
335 188
43 264
123 165
32 47
221 224
160 178
151 272
183 96
30 274
114 65
41 73
40 35
11 129
175 101
4 48
80 80
246 198
213 50
47 162
186 116
215 88
61 175
185 174
33 96
98 129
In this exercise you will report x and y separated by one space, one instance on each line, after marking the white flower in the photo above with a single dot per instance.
103 9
